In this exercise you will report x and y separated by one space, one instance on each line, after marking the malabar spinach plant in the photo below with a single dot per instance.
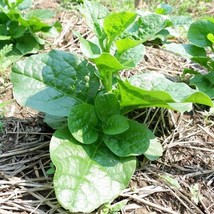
23 28
95 145
158 27
200 50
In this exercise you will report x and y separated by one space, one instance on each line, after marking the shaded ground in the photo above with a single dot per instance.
181 181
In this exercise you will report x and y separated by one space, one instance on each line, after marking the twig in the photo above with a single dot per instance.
156 206
194 174
23 151
207 132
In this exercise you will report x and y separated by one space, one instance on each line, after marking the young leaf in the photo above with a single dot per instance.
107 62
198 31
210 36
87 176
153 89
88 48
82 122
106 105
126 44
54 82
135 141
116 23
94 13
115 124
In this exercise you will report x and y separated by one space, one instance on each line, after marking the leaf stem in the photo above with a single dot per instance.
107 81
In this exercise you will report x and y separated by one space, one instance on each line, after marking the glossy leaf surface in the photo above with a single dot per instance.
87 176
53 82
116 124
135 141
82 122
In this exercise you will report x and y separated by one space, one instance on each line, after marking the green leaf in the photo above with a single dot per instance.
88 48
210 36
116 23
132 57
106 105
204 83
154 90
180 20
87 176
82 122
54 82
16 30
164 9
126 44
27 44
108 63
4 38
135 141
198 31
56 122
185 50
25 4
115 124
94 13
203 61
154 151
147 26
40 13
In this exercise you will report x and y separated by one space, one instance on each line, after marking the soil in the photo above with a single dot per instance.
180 182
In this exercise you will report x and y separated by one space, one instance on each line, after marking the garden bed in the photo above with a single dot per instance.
181 181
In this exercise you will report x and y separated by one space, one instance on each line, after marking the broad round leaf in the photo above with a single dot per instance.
87 176
53 82
106 105
135 141
82 122
116 124
198 31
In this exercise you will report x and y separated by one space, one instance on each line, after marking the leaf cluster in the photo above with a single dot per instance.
24 28
200 50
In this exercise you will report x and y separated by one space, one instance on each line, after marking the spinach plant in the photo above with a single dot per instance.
200 50
159 27
23 28
95 145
